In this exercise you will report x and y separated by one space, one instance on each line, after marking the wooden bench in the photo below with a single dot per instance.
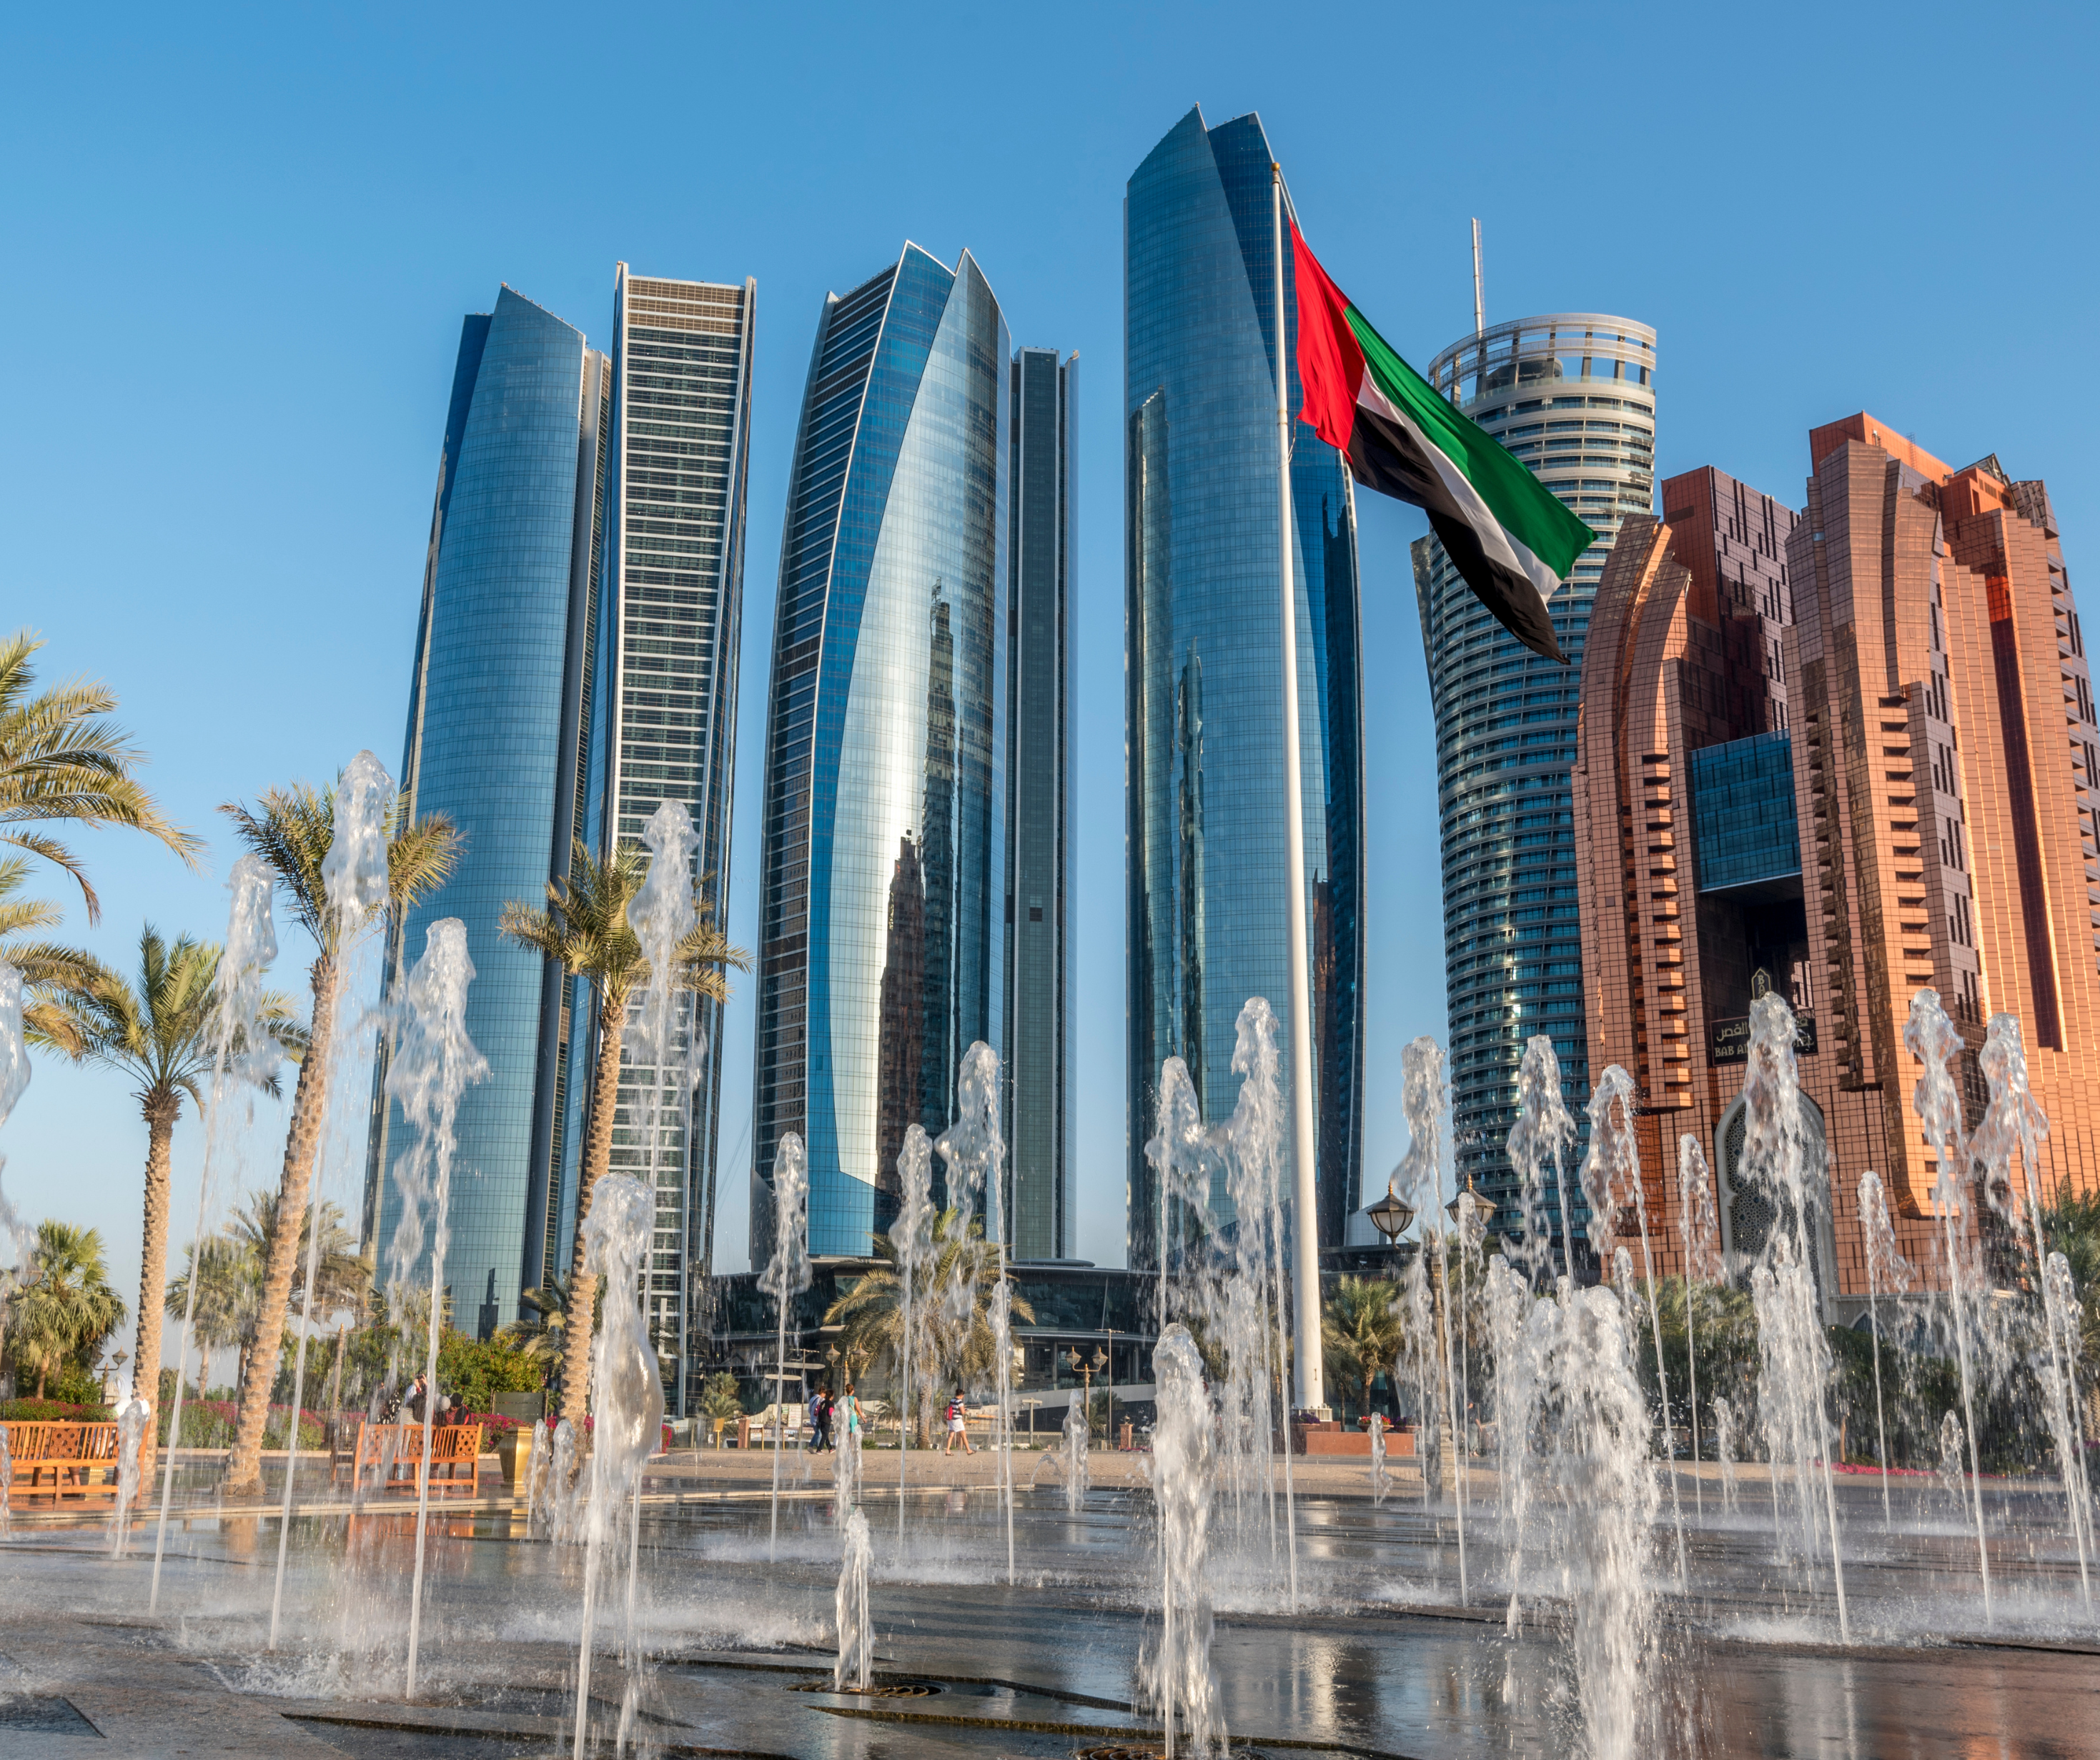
80 1459
398 1448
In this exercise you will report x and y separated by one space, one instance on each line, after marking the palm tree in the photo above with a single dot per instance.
291 833
585 926
68 1308
1361 1333
46 968
235 1261
872 1310
229 1297
158 1031
60 759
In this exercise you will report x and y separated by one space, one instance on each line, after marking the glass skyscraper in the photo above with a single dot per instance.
576 664
882 943
1207 850
1040 964
661 685
494 743
1573 395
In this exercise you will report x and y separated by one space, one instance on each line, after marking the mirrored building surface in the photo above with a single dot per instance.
1207 909
882 937
494 743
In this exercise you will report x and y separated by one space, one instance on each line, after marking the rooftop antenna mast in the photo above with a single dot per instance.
1480 310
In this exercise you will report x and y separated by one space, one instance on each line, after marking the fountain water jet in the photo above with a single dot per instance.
909 1235
786 1276
1253 1139
1700 1228
2012 1130
975 1151
1544 1131
132 1415
1174 1673
1931 1037
433 1062
1611 1183
854 1668
1885 1267
627 1402
1724 1446
244 1054
1423 1100
1794 1355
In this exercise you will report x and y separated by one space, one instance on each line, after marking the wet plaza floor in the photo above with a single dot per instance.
1378 1657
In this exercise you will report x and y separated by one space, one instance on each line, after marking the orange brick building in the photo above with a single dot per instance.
1846 755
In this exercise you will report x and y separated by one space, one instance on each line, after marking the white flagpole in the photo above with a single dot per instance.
1305 1222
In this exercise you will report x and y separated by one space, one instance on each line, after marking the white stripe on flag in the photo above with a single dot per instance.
1496 538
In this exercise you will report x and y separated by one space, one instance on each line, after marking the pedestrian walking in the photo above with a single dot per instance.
956 1431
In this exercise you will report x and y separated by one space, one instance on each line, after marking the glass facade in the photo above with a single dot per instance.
661 688
493 743
1041 548
1745 830
1207 850
1573 395
882 948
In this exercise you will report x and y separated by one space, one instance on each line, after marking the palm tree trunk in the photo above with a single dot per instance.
161 1112
598 1157
244 1468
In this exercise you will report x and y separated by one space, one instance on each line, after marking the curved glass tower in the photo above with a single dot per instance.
494 743
882 939
1207 855
1573 395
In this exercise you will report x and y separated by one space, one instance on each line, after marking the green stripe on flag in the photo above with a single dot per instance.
1528 510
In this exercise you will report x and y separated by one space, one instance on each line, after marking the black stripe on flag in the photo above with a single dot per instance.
1385 456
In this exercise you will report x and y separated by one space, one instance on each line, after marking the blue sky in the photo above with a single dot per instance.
238 243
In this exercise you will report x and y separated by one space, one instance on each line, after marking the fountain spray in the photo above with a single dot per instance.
354 882
433 1062
1423 1099
1543 1131
1794 1354
855 1670
1885 1265
1724 1446
627 1409
1931 1037
786 1276
2012 1130
1699 1227
909 1235
1612 1182
132 1415
1180 1167
976 1153
1174 1668
244 1054
1253 1137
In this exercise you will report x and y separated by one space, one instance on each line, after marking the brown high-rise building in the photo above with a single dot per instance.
1848 755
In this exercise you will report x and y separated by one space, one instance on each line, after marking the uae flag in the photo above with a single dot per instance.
1511 541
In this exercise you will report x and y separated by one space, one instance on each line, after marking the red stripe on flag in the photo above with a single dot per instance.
1330 362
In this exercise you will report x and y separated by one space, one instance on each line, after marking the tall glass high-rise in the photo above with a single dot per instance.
661 725
493 743
1206 849
882 943
1573 395
1044 518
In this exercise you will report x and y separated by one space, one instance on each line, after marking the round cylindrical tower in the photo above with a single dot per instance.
1573 395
